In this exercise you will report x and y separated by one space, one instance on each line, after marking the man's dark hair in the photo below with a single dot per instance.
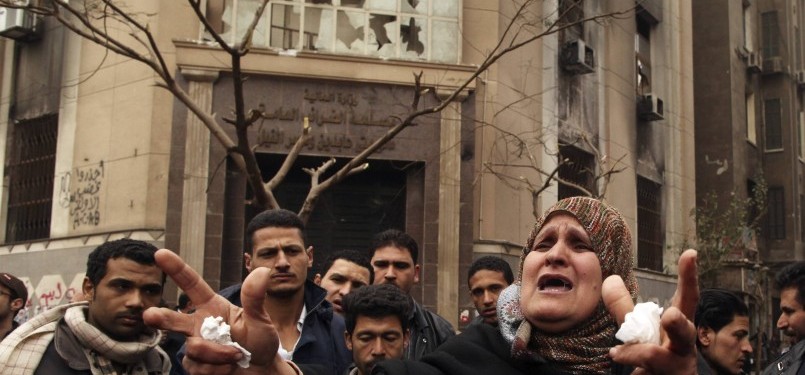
184 299
395 238
352 256
792 276
376 301
139 251
279 218
491 263
717 308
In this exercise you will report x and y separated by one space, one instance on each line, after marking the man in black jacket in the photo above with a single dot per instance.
790 281
394 258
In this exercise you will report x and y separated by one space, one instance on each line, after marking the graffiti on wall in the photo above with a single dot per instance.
80 191
50 291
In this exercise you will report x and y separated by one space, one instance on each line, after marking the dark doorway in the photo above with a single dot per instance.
348 214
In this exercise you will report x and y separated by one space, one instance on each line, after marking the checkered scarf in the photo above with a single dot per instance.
584 348
102 351
22 350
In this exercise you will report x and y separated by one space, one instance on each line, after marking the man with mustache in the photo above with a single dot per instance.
309 332
394 258
104 334
487 277
377 325
790 281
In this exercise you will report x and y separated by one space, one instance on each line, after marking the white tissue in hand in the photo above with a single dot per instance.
214 329
642 325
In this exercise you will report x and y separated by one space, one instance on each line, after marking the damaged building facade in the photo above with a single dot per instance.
607 105
749 69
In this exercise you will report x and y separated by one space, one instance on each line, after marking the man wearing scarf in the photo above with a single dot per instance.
103 335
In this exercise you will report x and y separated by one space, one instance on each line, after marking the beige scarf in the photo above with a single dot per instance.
102 351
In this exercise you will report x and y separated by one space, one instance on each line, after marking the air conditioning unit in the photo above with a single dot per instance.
773 65
577 57
754 62
649 108
20 24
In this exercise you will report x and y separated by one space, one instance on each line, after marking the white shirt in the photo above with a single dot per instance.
288 354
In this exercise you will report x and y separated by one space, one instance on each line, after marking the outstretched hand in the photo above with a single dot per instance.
251 326
677 352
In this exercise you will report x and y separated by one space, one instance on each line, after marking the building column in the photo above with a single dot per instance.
196 170
449 211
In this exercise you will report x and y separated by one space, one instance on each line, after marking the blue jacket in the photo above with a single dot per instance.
322 348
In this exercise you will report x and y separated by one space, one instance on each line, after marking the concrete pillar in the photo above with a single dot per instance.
196 170
449 210
65 144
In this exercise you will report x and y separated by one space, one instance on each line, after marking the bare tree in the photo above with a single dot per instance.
524 148
101 21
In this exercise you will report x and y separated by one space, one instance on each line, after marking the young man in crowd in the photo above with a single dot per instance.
13 295
377 325
487 277
394 258
722 333
344 271
790 281
309 332
103 335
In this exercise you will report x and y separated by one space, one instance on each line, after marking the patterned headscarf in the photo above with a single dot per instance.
584 348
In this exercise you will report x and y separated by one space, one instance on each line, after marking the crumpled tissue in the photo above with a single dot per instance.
642 325
214 329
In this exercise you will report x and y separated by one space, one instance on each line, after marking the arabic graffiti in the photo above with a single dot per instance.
80 191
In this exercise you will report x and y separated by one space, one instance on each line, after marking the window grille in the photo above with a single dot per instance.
773 121
776 214
30 173
771 34
650 231
579 169
405 29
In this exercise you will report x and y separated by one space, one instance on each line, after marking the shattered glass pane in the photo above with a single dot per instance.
285 20
389 5
349 32
413 34
445 8
226 22
382 39
444 43
351 3
246 11
318 29
417 6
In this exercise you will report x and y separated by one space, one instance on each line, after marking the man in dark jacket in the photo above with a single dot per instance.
309 332
394 258
486 278
790 281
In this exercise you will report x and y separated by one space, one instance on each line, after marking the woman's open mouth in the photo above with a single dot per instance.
554 283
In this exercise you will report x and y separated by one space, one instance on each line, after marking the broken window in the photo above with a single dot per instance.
410 29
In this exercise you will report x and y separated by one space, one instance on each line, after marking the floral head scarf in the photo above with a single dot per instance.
584 348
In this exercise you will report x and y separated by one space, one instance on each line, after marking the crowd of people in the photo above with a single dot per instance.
557 314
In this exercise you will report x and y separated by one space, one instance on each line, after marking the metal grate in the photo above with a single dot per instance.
649 224
30 174
579 169
773 121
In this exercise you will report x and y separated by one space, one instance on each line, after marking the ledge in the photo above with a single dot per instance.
306 64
